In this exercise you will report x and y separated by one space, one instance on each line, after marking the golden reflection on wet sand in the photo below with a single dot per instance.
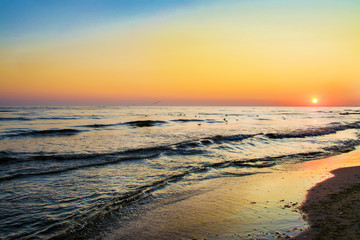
239 207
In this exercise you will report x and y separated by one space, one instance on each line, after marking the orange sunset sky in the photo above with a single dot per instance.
180 52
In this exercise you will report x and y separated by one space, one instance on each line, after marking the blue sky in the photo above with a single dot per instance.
19 18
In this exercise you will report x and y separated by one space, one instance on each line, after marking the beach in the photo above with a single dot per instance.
276 205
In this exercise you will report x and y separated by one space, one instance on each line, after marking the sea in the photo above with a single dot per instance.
67 171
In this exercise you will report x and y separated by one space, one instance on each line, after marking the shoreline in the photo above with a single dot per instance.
261 206
332 207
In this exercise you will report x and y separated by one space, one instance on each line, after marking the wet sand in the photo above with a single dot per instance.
260 206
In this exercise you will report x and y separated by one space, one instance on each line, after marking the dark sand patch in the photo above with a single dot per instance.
332 207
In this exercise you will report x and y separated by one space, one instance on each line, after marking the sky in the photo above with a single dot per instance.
205 52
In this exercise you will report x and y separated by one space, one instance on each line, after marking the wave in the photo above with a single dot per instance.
94 216
7 110
176 148
96 125
185 148
195 147
32 119
214 121
145 123
210 114
187 120
349 113
142 123
314 131
217 139
14 119
67 169
90 219
56 118
45 133
71 168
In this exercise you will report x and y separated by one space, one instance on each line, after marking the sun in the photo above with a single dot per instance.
314 100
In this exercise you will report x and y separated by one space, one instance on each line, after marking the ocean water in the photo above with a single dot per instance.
65 171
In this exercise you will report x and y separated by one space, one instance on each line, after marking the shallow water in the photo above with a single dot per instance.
64 169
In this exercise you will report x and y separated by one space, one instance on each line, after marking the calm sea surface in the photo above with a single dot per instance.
65 170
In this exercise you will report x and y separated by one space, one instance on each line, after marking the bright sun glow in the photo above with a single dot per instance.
314 100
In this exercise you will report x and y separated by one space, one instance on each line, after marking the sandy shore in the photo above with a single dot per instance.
333 207
260 206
